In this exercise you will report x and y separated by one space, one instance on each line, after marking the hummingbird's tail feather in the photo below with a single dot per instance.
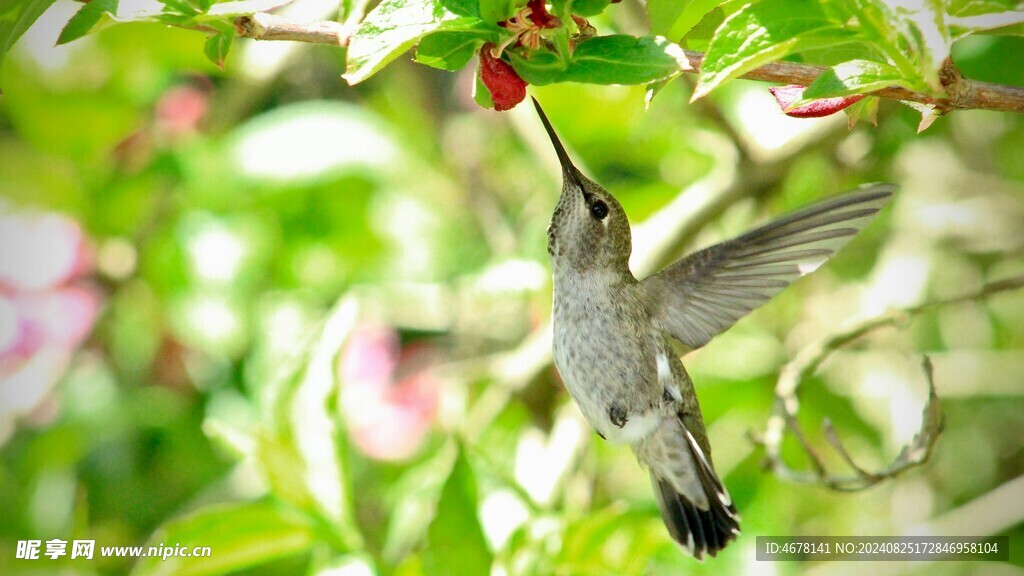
699 531
694 504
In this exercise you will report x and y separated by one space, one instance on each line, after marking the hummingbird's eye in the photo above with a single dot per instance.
599 210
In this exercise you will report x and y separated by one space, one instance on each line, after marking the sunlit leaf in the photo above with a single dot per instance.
698 36
963 26
448 50
496 10
674 18
978 7
240 7
663 13
763 32
853 77
393 27
352 11
182 7
238 535
15 18
616 59
305 440
89 18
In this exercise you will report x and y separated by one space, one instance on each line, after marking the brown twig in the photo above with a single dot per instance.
962 93
784 417
262 26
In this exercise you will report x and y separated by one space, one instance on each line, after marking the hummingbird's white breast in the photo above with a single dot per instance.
607 355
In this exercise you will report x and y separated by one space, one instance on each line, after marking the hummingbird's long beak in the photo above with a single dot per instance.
569 172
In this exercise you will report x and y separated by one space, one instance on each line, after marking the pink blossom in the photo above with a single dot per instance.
46 312
181 109
388 414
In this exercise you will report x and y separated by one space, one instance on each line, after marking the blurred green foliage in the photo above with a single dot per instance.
309 289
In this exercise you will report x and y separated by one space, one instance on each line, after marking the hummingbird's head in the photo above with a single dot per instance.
589 230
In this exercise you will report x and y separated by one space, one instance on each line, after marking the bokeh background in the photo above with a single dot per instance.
305 324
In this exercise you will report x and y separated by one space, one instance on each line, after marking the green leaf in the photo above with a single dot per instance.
832 55
496 10
352 11
182 7
589 7
416 495
242 7
448 50
699 36
896 36
89 18
652 89
455 540
764 32
238 535
930 37
481 95
674 18
960 27
393 27
15 18
853 77
978 7
217 46
864 111
616 59
303 450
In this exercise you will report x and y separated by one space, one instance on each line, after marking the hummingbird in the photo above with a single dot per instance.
612 333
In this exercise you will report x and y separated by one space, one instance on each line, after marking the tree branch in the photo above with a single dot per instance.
263 26
806 362
963 93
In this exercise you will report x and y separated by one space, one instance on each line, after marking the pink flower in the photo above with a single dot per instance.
45 313
388 400
181 109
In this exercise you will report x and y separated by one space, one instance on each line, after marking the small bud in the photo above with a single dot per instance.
786 96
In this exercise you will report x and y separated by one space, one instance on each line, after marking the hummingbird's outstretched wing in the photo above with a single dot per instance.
703 294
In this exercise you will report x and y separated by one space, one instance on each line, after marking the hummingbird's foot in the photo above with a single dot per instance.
617 414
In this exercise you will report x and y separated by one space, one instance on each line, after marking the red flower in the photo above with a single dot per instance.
787 95
506 87
539 15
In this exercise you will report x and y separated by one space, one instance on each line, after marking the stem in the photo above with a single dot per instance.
964 93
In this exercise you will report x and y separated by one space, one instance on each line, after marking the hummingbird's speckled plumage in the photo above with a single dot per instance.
612 333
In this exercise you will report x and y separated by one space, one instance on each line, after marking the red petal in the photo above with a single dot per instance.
786 96
506 87
539 15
